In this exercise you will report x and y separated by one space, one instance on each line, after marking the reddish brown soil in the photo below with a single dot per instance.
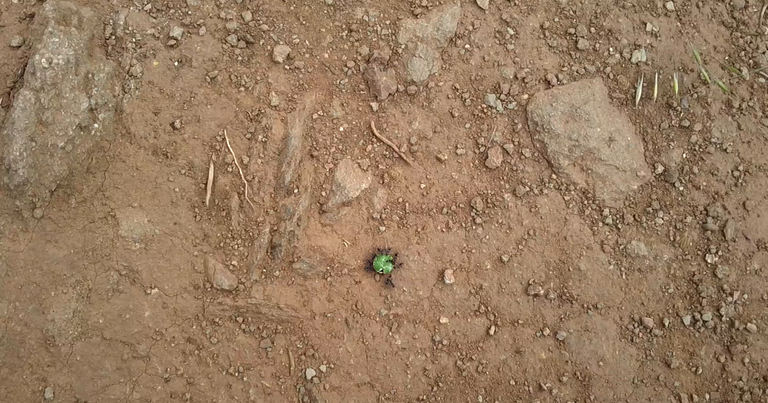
105 299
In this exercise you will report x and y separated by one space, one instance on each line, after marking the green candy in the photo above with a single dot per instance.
383 263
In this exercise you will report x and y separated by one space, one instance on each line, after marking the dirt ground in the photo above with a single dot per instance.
555 297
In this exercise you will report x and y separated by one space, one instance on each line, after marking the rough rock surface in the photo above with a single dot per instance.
587 140
67 104
382 84
291 155
425 38
495 157
280 53
286 237
348 182
218 275
258 252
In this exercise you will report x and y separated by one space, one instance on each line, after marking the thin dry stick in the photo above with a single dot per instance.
209 186
390 144
291 362
762 14
239 169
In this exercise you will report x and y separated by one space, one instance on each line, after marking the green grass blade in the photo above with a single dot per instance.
696 55
675 84
722 85
704 74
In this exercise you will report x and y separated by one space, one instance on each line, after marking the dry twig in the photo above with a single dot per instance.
242 176
390 144
209 186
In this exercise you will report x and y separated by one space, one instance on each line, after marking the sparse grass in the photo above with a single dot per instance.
705 74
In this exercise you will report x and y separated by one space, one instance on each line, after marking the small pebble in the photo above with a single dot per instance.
722 272
478 204
729 230
323 368
495 157
535 290
448 277
687 320
561 335
751 327
483 4
37 213
274 100
310 373
648 322
670 6
280 53
176 32
706 317
17 41
492 330
48 394
443 320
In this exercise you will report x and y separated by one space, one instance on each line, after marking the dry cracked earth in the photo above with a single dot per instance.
192 191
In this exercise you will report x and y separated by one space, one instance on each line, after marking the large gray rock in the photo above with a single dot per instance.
66 105
587 140
425 38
